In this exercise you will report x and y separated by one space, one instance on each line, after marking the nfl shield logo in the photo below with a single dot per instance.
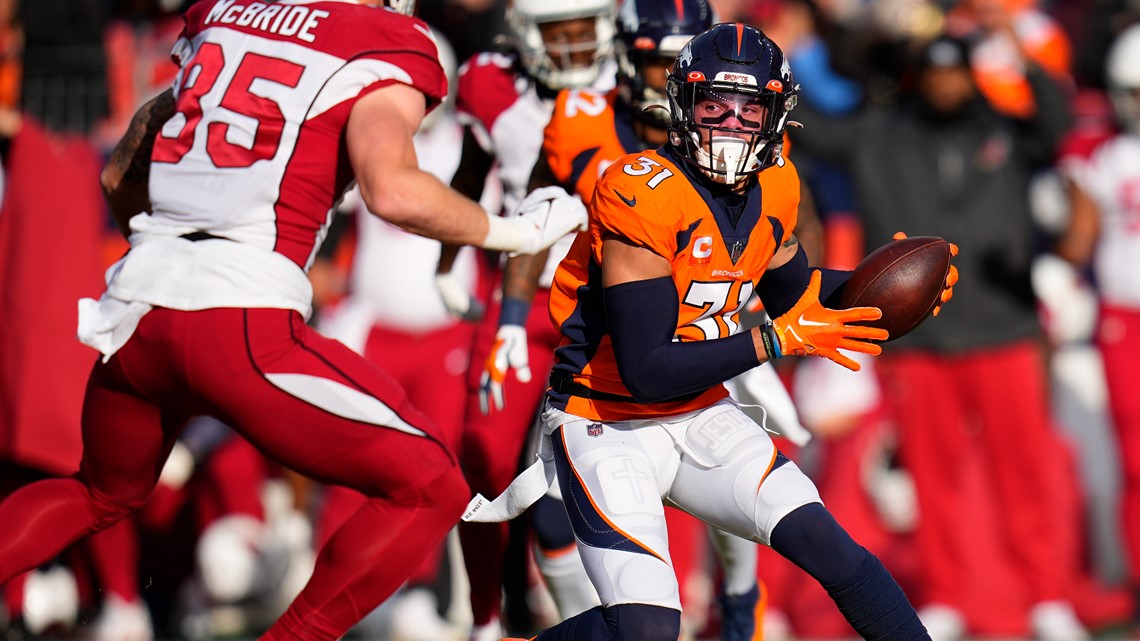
594 429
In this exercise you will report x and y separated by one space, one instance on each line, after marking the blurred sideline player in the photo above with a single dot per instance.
1104 231
1004 33
393 316
587 132
236 170
648 304
505 100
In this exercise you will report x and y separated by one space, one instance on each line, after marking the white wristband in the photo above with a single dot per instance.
508 234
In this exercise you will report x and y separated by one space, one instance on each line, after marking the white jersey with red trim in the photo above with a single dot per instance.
1111 177
393 271
254 155
507 114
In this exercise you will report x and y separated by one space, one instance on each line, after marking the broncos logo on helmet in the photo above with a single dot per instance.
730 92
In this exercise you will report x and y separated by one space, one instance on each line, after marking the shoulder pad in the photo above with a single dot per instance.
487 87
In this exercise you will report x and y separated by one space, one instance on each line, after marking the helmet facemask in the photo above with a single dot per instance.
1126 104
729 131
646 102
553 63
1122 74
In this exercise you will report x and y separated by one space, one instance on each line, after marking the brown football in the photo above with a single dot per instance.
903 278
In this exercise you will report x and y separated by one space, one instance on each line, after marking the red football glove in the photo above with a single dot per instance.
951 276
810 329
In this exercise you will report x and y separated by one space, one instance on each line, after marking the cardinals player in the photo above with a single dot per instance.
1104 230
226 184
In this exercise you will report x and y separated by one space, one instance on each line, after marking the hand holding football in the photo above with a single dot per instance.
903 278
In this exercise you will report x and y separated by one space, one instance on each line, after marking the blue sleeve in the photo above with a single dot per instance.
831 286
781 288
642 318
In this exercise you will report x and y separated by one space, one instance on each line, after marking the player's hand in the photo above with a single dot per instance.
457 299
951 276
951 280
509 352
550 213
810 329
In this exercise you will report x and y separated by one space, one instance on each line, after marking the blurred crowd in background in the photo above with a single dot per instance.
991 460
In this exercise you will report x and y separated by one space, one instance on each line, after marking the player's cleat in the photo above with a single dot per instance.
229 557
123 620
738 615
776 626
942 622
1056 621
492 631
414 617
51 600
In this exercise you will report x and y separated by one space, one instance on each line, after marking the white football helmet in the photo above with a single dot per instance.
1123 75
524 18
406 7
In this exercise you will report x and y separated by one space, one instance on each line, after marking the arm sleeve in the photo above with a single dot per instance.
642 318
832 282
779 289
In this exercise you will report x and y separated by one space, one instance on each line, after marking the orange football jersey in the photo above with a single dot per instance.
584 136
647 199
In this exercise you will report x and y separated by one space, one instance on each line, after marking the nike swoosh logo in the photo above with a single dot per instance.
629 201
804 321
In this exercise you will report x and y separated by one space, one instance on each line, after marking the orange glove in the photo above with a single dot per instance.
951 276
810 329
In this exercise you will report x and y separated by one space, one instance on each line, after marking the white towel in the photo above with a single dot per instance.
108 323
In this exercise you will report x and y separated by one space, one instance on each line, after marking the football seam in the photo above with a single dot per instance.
937 299
885 270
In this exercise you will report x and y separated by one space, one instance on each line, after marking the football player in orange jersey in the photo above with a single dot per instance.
586 133
648 303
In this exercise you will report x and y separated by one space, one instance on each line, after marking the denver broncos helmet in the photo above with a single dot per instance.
730 92
649 30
